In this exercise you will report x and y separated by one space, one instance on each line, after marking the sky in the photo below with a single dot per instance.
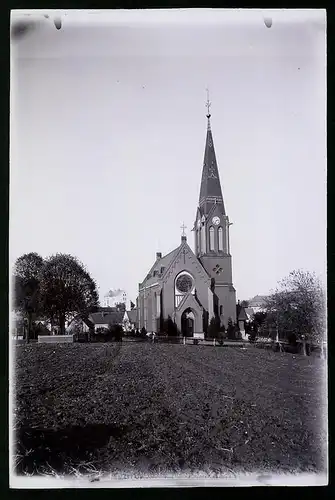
108 131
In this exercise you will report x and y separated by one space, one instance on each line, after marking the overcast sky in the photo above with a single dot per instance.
108 133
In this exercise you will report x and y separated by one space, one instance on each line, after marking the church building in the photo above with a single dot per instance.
193 287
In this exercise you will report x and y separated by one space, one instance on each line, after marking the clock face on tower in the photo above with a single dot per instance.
216 221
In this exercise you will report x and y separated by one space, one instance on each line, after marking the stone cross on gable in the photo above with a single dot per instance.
183 227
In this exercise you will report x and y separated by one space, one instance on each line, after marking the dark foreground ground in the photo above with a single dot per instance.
153 408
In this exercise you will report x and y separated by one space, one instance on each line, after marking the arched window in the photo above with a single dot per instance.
203 240
220 238
211 238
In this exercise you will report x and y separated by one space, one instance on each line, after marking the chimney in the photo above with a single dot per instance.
158 255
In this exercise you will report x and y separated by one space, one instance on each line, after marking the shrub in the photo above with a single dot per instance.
115 332
231 330
170 328
214 328
143 332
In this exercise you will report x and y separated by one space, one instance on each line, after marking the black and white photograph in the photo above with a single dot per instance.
167 248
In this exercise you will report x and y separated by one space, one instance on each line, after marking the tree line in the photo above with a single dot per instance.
296 310
55 289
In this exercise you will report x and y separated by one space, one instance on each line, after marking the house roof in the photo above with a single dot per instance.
106 318
249 311
242 315
257 301
42 327
107 309
245 314
132 315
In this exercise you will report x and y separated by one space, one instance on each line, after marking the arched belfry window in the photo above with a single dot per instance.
220 239
211 238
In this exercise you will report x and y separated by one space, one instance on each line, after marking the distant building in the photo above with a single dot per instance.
104 320
257 303
114 297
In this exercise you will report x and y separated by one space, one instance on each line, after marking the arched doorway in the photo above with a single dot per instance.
187 323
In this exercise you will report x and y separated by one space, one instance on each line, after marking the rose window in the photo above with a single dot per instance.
184 283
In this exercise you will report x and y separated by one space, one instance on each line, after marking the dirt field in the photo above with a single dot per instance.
153 408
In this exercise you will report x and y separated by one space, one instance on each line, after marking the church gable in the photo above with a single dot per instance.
189 301
185 260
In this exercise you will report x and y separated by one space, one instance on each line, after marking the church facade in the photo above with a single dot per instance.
193 287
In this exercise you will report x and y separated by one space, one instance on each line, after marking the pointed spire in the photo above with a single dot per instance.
210 189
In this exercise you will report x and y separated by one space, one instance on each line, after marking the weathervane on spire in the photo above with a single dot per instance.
208 104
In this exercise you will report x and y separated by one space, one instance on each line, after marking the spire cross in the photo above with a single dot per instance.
208 104
183 227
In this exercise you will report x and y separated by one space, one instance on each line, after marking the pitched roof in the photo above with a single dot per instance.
210 188
257 301
242 315
132 315
249 311
159 263
109 318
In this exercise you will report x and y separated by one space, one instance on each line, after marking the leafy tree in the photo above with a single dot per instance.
26 283
259 319
118 333
244 303
297 307
231 330
252 328
120 306
67 289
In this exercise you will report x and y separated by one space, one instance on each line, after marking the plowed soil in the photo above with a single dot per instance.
153 408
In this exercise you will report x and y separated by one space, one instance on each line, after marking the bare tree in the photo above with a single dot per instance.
298 306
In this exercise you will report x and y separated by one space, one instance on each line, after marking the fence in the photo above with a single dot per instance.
296 347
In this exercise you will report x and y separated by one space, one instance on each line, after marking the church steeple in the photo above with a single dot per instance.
210 188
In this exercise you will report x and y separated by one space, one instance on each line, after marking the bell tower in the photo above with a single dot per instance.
211 230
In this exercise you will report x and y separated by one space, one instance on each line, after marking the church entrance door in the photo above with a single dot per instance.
187 323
